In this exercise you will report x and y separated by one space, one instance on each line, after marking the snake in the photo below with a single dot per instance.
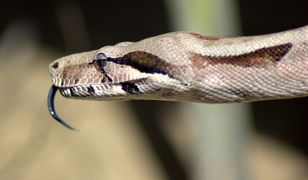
187 66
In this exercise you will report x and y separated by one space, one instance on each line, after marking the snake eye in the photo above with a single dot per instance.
101 56
100 61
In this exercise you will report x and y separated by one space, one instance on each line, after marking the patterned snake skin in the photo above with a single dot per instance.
187 66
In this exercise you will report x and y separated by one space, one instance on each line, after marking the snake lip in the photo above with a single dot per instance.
65 91
94 90
79 90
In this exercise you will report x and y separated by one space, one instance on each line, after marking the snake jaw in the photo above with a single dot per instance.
84 81
104 90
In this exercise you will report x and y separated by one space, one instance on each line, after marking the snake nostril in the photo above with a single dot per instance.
55 65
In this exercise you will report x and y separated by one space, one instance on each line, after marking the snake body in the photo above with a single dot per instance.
187 66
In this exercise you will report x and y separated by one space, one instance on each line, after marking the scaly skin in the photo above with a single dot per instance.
186 66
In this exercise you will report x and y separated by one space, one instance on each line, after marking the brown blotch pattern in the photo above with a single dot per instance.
258 58
145 60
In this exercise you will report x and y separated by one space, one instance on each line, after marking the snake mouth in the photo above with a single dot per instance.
104 90
79 90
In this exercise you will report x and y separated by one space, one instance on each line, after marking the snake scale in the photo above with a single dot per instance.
187 66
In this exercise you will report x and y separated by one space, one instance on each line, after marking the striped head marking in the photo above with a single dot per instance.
94 75
97 75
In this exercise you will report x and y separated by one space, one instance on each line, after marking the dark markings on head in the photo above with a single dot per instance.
77 80
90 90
144 62
258 58
73 91
130 87
106 79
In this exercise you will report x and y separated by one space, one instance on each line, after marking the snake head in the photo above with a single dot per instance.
114 73
111 74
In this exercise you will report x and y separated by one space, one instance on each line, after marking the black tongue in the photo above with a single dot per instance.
51 107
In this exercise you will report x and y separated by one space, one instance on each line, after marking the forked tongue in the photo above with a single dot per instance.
51 107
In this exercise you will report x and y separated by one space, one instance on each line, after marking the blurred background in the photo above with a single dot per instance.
144 140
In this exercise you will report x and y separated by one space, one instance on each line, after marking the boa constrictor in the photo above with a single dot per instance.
187 66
